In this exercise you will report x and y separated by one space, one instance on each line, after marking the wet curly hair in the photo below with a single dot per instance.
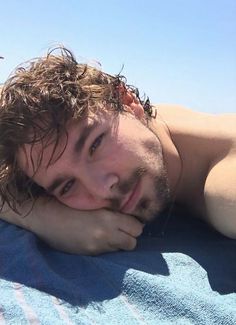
36 103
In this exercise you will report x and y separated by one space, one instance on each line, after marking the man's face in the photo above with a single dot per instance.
110 161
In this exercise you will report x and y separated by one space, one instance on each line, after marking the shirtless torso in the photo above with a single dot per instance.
207 146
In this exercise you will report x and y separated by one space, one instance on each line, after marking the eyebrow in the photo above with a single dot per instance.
78 147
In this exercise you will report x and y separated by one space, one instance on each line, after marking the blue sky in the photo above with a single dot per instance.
176 51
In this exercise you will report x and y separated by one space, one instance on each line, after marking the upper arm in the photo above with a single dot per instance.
220 196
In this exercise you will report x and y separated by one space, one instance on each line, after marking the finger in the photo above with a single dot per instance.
123 241
131 225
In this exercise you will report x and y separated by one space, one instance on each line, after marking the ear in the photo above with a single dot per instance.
132 104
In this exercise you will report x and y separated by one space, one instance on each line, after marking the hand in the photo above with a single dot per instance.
73 231
81 232
95 232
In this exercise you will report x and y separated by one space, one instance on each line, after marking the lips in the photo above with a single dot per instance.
132 199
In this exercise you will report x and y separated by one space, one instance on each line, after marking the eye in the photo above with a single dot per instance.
66 188
96 144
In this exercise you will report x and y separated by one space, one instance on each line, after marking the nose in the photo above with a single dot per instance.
100 184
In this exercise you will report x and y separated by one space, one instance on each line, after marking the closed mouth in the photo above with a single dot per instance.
131 201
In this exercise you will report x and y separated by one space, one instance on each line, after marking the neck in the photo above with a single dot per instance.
171 156
187 151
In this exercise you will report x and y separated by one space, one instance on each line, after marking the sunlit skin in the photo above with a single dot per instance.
191 154
114 171
118 165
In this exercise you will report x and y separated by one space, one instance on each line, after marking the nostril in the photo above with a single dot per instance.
113 180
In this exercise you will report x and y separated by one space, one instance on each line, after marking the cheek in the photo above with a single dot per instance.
153 147
119 159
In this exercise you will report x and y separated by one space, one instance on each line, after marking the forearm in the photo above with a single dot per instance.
56 224
41 217
74 231
20 219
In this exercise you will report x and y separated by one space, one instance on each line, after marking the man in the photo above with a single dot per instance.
99 163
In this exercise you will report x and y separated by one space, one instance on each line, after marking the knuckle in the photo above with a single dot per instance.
100 238
108 218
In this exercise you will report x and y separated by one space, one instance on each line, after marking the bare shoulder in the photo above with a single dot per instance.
180 117
216 135
220 196
170 110
217 126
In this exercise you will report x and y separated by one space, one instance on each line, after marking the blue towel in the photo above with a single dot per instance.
185 276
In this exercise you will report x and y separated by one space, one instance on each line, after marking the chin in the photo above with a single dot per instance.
147 216
147 213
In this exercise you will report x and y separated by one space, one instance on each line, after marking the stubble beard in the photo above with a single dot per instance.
152 204
158 199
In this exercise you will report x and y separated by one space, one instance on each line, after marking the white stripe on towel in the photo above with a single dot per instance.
28 311
2 319
61 311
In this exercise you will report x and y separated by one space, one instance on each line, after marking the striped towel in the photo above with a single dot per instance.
187 276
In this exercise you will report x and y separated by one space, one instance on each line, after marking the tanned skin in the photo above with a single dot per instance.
199 151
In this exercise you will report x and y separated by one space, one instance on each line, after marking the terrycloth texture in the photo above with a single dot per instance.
188 276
